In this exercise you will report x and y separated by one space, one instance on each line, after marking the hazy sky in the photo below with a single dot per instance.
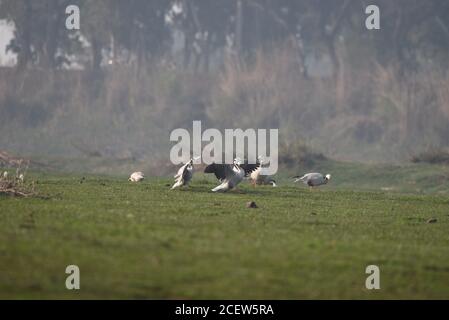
6 33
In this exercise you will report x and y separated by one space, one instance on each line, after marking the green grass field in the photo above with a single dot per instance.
145 241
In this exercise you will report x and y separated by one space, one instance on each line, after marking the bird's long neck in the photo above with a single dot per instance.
238 168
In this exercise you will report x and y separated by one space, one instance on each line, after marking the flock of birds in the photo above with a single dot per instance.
230 175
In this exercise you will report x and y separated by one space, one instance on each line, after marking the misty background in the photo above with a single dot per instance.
137 69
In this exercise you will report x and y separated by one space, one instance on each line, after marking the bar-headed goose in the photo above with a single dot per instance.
136 177
230 175
313 179
184 175
258 176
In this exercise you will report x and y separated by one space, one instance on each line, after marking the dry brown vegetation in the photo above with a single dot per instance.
370 112
12 181
434 156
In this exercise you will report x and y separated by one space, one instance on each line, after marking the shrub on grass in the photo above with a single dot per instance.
14 184
434 156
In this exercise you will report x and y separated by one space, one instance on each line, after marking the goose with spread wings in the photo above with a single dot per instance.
230 175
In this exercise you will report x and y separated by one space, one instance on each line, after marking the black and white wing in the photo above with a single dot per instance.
249 168
221 171
187 172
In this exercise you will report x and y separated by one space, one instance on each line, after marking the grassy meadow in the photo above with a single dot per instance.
144 241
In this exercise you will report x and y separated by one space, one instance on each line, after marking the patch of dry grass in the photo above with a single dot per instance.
12 182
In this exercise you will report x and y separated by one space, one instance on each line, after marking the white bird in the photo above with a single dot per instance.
136 177
313 179
184 175
258 176
21 178
5 175
230 175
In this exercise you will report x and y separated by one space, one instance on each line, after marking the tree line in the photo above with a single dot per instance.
137 69
145 30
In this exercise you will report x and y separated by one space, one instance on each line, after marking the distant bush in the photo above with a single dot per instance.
434 156
297 153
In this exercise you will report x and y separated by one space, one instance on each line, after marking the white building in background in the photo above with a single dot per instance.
6 34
